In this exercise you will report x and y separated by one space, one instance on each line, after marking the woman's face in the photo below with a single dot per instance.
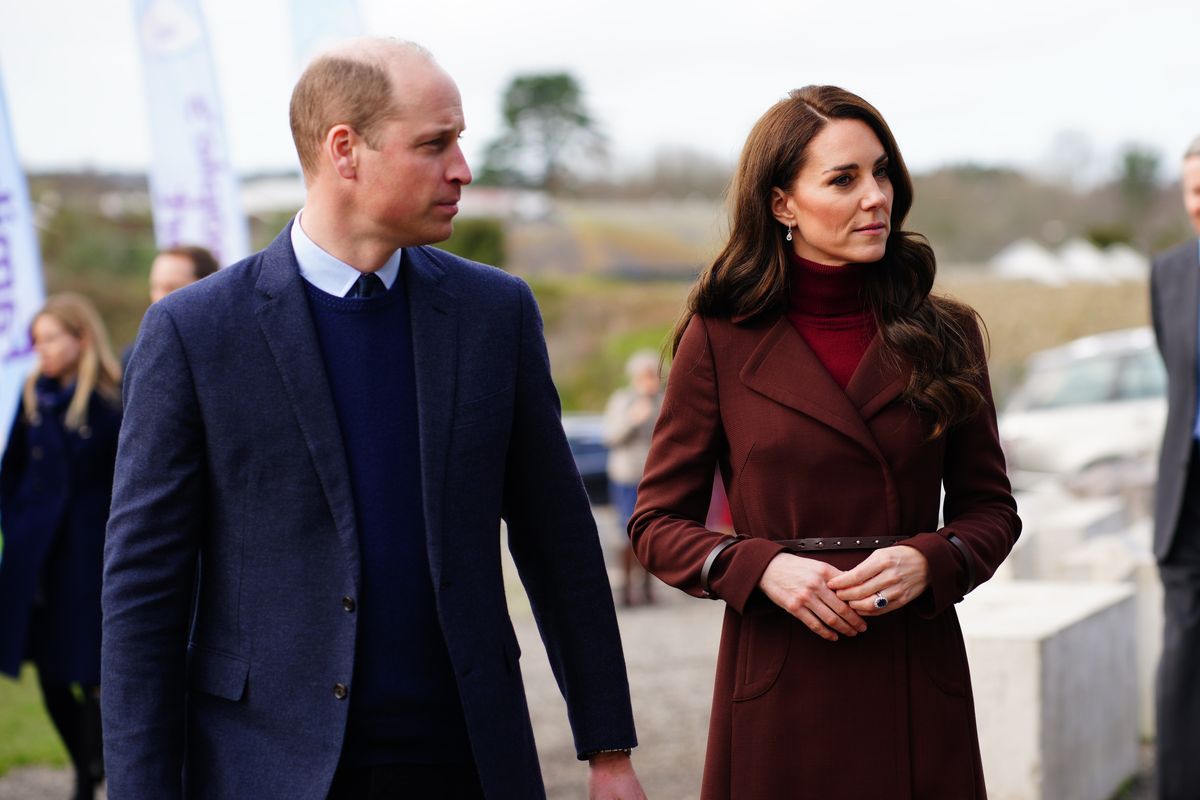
840 205
57 348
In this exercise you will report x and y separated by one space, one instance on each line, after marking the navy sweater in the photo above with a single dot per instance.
404 705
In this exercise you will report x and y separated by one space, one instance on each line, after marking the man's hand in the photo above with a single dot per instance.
611 777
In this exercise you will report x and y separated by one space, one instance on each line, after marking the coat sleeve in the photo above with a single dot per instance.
150 556
667 527
553 539
981 522
13 464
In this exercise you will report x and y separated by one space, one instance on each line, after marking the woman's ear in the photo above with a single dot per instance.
780 208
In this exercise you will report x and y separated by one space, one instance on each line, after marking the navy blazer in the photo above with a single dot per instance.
55 490
232 489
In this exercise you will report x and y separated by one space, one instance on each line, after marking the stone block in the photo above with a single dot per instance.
1054 673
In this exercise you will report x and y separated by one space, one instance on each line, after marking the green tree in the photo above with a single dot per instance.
546 128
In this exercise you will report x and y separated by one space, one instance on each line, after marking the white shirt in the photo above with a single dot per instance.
331 275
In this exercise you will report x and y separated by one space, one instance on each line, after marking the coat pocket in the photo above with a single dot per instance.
216 673
942 654
763 643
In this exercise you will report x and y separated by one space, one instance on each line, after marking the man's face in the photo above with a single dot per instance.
1191 190
168 273
412 178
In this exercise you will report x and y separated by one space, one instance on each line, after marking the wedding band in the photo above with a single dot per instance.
880 600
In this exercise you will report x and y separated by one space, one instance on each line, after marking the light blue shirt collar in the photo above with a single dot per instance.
330 274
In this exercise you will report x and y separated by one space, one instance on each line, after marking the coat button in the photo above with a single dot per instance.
348 603
36 452
340 691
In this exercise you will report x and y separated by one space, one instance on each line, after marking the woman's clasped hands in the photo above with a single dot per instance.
832 602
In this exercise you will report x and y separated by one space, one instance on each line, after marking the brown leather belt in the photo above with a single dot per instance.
840 543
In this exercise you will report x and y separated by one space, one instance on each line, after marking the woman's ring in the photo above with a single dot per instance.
880 600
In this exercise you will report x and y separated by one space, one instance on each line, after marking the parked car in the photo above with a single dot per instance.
585 434
1090 412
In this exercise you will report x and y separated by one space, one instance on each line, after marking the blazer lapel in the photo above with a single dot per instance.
286 323
1189 308
772 370
435 360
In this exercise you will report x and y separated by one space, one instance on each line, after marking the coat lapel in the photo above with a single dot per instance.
876 382
435 360
286 322
773 369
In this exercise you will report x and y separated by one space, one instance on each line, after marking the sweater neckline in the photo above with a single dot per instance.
824 290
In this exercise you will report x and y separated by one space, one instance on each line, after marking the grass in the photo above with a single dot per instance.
26 734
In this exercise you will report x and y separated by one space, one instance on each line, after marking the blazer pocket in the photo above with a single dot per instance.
216 673
481 408
763 644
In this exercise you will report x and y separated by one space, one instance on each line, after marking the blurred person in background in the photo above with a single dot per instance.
836 394
1174 299
55 490
176 267
628 425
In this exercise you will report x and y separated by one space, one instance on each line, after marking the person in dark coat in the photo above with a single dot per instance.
55 491
1174 288
837 396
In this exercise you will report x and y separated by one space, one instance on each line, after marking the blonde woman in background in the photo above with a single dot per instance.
628 426
55 491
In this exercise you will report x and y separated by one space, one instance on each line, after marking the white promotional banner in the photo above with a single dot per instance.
317 24
193 188
21 289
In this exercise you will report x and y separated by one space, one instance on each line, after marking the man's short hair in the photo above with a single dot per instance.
345 86
203 262
1193 148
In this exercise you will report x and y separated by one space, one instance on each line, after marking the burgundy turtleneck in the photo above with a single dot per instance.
828 310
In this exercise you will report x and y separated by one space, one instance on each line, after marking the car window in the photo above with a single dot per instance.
1142 376
1087 380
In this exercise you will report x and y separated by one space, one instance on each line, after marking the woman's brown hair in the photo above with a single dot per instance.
750 278
99 372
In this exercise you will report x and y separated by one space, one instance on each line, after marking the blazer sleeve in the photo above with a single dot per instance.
150 556
553 539
980 514
667 527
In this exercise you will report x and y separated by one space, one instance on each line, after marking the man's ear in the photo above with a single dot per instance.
779 208
341 150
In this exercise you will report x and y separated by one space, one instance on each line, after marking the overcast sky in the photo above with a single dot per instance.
994 83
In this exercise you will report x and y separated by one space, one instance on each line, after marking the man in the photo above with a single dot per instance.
325 476
1175 307
177 267
174 268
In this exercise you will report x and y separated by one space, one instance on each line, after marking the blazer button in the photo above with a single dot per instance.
340 691
348 603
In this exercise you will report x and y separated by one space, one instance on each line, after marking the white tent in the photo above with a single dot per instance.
1025 259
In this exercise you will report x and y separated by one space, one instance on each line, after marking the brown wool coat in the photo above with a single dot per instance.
885 715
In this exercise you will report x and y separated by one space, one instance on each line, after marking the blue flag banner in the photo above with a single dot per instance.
193 188
21 290
317 24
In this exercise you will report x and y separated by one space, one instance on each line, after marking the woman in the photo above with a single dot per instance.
836 395
628 423
55 490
